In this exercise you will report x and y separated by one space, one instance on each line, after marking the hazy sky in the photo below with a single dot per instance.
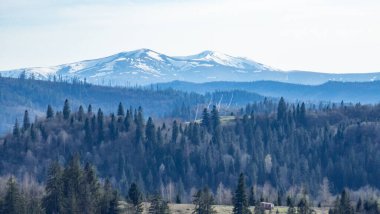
318 35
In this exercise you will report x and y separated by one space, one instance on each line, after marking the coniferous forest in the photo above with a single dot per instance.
284 154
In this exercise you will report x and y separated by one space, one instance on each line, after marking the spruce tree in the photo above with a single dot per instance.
240 200
16 130
150 132
49 112
175 131
206 119
215 119
26 121
80 114
135 197
158 206
66 110
281 110
53 200
13 200
203 202
120 110
100 120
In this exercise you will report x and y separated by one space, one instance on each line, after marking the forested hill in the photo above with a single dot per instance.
17 95
363 92
281 152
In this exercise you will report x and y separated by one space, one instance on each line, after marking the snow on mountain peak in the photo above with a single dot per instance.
147 66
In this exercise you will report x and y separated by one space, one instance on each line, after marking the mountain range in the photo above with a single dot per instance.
145 66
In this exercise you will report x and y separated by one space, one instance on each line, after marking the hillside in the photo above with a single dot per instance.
363 92
281 153
18 95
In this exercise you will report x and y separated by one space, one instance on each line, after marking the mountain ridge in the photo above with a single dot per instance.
145 66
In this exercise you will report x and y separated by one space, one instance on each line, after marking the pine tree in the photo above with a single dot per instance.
66 110
53 200
100 126
343 205
72 177
89 109
158 206
135 197
252 198
203 202
16 130
113 131
304 207
49 112
150 132
240 200
88 134
215 119
26 121
206 119
13 200
281 110
175 131
120 110
80 113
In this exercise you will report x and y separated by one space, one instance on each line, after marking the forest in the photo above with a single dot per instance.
287 151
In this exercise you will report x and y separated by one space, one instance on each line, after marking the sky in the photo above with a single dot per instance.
337 36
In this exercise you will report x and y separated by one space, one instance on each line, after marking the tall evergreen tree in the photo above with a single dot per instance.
203 202
150 132
26 121
175 131
135 197
49 112
240 200
53 200
16 130
215 119
206 119
281 110
158 206
13 200
120 110
66 110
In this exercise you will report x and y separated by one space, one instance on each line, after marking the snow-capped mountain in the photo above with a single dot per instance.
146 66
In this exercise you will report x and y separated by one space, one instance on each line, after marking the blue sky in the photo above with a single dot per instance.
319 35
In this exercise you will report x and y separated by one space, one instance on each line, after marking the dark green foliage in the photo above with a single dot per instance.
203 201
135 197
240 200
175 131
150 132
16 130
343 204
281 110
13 201
49 112
53 200
335 142
252 198
215 119
304 207
26 121
120 110
206 121
66 110
158 206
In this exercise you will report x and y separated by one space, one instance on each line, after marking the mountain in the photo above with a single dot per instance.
363 92
144 67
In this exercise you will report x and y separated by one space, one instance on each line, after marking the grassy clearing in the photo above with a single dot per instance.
222 209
